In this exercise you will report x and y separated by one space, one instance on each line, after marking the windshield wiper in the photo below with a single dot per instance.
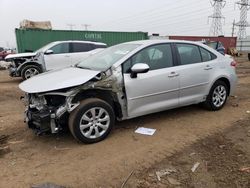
81 67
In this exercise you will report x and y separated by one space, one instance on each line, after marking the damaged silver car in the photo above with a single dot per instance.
126 81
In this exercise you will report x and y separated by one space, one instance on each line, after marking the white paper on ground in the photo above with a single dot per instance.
145 131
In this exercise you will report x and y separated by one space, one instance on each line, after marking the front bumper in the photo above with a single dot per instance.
41 121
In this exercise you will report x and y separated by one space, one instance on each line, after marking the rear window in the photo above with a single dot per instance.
189 54
81 47
206 55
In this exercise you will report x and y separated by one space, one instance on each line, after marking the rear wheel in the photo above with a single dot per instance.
217 96
30 71
92 120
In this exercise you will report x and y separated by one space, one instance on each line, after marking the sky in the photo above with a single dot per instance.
166 17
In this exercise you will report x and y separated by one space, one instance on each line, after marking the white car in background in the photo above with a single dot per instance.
55 55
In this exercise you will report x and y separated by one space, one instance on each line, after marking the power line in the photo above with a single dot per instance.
216 26
85 26
233 28
149 14
243 24
71 26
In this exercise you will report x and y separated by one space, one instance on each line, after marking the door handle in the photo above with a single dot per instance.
208 67
173 74
66 56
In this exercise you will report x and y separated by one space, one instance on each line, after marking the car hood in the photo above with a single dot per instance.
58 79
11 56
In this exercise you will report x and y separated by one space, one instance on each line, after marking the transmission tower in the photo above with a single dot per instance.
216 26
244 7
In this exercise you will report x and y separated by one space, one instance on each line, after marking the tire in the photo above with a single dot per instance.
30 71
92 130
217 96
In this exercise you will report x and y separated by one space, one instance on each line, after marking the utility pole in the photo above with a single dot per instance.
233 28
243 24
71 26
216 26
86 26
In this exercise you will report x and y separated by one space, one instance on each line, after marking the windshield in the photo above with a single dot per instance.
106 58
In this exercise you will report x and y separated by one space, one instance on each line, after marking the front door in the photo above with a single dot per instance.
60 57
156 90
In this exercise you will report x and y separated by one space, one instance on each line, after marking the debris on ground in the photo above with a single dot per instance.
145 131
47 185
60 149
126 180
173 181
220 160
161 173
245 169
196 165
4 65
192 154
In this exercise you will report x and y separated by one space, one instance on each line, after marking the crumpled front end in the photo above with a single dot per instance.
48 112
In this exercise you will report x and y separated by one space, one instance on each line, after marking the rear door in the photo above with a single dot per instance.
156 90
196 66
60 57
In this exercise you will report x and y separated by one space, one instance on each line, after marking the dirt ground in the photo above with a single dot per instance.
219 141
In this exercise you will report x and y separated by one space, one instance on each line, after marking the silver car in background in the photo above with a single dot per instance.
126 81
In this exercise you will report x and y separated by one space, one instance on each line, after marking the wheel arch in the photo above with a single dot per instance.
105 95
225 80
22 66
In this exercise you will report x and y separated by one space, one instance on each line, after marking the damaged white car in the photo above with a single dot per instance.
55 55
126 81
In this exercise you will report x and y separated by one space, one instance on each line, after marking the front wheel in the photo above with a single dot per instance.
92 120
30 71
217 96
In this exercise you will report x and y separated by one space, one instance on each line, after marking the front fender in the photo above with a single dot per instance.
21 66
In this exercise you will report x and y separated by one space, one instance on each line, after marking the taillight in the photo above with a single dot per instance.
233 63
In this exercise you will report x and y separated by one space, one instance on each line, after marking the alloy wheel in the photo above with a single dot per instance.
94 122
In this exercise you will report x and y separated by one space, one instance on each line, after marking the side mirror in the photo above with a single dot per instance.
138 68
49 52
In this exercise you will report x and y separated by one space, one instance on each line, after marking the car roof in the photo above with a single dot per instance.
79 41
157 41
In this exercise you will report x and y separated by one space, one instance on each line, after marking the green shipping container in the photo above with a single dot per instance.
33 39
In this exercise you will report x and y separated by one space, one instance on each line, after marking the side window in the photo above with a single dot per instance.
189 54
206 55
100 46
81 47
157 57
60 48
